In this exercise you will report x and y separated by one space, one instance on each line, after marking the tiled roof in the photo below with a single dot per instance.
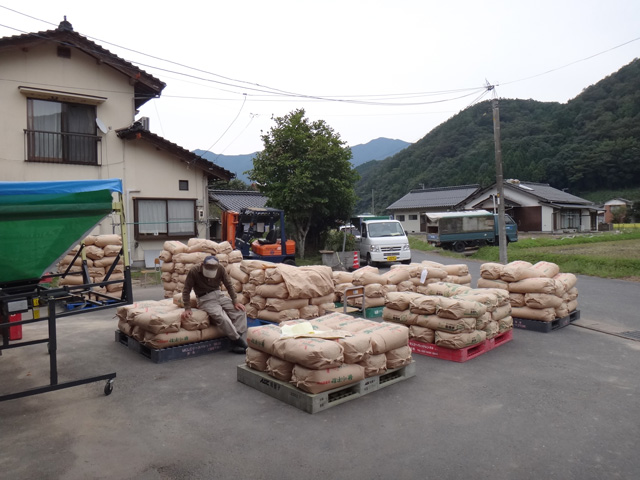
434 197
146 85
137 132
546 192
235 200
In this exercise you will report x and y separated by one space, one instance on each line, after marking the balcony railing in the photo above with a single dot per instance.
57 147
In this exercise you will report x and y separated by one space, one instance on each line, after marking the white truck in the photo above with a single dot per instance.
381 240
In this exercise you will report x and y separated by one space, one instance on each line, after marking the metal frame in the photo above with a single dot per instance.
24 295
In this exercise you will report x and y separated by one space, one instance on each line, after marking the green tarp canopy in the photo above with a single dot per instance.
41 221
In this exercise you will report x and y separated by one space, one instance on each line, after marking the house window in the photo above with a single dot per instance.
400 218
183 184
159 218
61 132
413 217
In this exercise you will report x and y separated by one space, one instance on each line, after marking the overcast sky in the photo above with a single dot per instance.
393 69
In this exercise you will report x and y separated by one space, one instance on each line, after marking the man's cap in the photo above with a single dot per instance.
210 262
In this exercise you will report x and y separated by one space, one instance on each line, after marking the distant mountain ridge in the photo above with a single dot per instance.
590 143
377 149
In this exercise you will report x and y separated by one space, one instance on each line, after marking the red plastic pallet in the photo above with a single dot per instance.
460 355
499 339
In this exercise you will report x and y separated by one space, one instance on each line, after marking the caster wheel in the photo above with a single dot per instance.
108 388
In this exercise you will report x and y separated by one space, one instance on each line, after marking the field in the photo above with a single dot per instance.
606 255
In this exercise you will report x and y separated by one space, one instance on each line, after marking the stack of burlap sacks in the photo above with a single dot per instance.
414 277
450 315
342 350
158 324
100 251
270 291
537 292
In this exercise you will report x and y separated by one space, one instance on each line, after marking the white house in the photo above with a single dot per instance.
68 113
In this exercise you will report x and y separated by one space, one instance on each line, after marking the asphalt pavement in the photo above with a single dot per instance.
560 405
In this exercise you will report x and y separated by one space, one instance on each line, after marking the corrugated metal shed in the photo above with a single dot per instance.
235 200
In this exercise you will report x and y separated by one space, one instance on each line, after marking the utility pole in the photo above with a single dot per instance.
373 210
502 237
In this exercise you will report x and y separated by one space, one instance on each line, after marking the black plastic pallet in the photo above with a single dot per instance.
545 327
161 355
313 403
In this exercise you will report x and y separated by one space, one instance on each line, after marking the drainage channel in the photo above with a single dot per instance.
631 335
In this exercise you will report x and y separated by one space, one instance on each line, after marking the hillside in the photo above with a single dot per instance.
590 143
377 149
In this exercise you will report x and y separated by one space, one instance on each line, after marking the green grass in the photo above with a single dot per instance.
602 255
416 244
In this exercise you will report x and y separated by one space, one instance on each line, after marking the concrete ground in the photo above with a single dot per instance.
559 405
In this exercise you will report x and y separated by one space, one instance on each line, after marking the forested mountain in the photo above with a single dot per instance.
590 143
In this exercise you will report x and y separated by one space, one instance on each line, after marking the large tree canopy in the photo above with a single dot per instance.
305 170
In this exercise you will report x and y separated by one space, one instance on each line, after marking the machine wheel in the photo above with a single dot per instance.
370 262
458 247
289 261
406 262
108 388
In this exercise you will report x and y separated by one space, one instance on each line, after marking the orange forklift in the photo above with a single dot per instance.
259 234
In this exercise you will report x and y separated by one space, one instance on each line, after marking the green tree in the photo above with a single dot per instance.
305 170
233 184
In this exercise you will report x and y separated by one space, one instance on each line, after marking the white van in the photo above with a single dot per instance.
383 241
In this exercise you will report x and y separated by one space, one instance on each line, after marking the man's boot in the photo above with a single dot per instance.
239 346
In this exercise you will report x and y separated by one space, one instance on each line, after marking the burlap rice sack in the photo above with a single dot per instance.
568 280
93 252
516 299
263 337
404 317
316 381
484 283
236 273
273 291
396 275
356 347
341 277
398 357
546 269
273 276
234 257
112 250
313 353
278 304
518 270
199 320
434 322
483 320
445 289
541 300
279 368
492 329
174 246
202 245
459 269
104 240
425 304
211 332
387 336
320 300
541 314
505 324
463 280
501 312
491 271
374 364
256 359
164 340
193 258
456 341
421 334
455 308
281 316
310 311
534 285
367 275
400 300
307 282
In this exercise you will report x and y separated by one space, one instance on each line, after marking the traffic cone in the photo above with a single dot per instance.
356 261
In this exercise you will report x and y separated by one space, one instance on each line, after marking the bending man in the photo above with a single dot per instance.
224 312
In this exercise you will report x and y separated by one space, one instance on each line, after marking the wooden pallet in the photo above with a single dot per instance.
161 355
545 327
462 354
314 403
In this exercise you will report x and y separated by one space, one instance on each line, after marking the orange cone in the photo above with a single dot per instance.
356 261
